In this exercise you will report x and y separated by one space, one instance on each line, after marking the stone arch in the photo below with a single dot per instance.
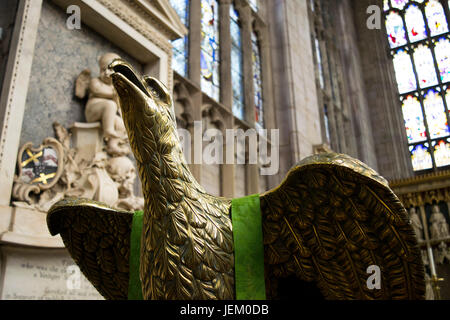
183 106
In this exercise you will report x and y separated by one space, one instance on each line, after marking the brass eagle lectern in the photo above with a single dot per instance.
329 220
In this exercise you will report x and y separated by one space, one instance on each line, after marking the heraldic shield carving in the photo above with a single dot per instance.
38 168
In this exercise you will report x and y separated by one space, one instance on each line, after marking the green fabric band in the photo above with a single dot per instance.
248 251
134 284
248 248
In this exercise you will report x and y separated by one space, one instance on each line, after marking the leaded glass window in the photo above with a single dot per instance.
418 35
253 4
257 81
237 80
319 63
180 46
209 53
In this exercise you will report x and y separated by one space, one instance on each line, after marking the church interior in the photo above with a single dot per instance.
367 78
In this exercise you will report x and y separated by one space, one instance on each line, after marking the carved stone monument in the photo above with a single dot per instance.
90 159
87 160
51 275
439 231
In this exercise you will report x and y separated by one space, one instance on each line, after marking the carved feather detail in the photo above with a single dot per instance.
347 220
329 220
98 239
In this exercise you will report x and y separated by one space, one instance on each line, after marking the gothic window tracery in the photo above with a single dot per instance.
209 53
418 35
257 81
237 79
253 4
180 46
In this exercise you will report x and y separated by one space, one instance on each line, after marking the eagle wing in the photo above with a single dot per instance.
98 239
330 220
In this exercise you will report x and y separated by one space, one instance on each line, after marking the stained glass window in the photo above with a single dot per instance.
421 157
442 152
421 58
385 5
236 65
447 97
412 113
327 122
435 112
180 46
436 18
404 72
442 51
209 53
426 71
399 4
395 30
257 81
254 4
415 23
319 63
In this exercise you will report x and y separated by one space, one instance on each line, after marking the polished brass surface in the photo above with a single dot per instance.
98 239
329 220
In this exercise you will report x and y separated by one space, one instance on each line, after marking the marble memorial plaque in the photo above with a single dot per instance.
43 274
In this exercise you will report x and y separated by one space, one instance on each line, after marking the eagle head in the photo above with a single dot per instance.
147 111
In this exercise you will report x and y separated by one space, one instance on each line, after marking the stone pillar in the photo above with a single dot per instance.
8 9
424 222
295 95
349 83
14 92
448 207
226 91
389 133
266 75
195 38
327 91
196 168
270 121
246 19
228 170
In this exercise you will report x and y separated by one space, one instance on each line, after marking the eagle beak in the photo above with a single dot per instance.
128 84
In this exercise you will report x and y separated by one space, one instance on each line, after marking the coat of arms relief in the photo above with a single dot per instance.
88 160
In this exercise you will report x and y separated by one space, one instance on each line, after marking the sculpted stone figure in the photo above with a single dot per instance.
85 151
439 226
416 223
123 172
439 230
102 105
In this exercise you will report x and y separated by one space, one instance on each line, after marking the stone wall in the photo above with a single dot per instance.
60 55
354 92
388 130
295 95
42 274
8 10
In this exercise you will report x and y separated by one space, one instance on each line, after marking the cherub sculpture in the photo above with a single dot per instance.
123 172
102 105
